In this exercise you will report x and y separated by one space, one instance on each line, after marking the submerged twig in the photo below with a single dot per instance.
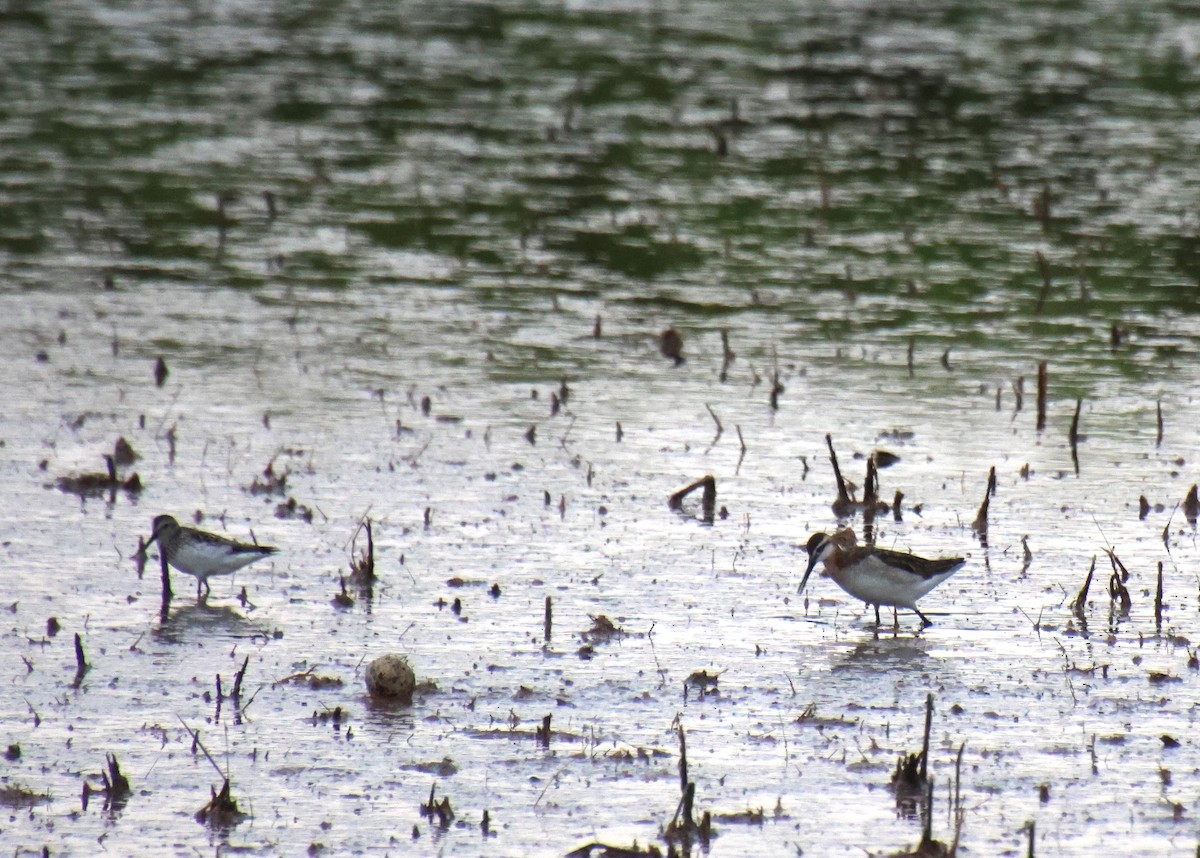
720 429
1073 435
1158 600
709 502
728 354
1042 382
1117 590
1191 505
925 742
1080 602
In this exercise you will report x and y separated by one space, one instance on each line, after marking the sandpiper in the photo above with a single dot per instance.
876 575
203 554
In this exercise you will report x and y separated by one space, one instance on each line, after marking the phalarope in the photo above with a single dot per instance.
203 554
875 575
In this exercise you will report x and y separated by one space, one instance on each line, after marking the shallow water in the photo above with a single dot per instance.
459 193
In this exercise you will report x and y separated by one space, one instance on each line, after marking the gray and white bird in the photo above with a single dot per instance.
203 554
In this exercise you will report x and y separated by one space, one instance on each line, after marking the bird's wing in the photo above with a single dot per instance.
919 566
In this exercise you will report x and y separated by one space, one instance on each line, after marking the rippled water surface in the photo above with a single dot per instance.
416 259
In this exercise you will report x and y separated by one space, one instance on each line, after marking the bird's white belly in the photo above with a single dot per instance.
879 584
207 558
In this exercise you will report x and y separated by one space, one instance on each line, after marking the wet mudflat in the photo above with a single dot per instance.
415 267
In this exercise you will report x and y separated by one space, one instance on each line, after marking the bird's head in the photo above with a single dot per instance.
163 525
819 546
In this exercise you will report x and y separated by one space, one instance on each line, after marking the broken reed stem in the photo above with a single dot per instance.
548 622
369 565
1158 603
1073 434
1081 599
715 420
925 743
1045 272
871 484
912 343
958 779
1191 507
237 680
543 732
221 809
440 809
198 744
1117 565
1158 407
980 525
727 355
116 785
1041 396
843 503
80 662
683 766
870 499
689 798
720 428
927 832
1032 829
776 389
1119 592
81 665
709 502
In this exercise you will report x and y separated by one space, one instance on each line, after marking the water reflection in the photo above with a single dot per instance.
474 211
202 619
388 715
880 652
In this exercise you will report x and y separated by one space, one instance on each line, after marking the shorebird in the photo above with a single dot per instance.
202 554
875 575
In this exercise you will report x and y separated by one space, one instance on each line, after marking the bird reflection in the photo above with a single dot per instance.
886 654
204 619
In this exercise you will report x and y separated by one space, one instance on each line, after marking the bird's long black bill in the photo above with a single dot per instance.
155 535
812 564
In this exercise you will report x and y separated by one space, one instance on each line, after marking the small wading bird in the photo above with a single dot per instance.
203 554
875 575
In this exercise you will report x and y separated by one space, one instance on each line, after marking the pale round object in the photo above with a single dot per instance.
390 677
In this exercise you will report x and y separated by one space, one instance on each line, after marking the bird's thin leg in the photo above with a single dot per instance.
199 598
925 621
877 615
895 618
